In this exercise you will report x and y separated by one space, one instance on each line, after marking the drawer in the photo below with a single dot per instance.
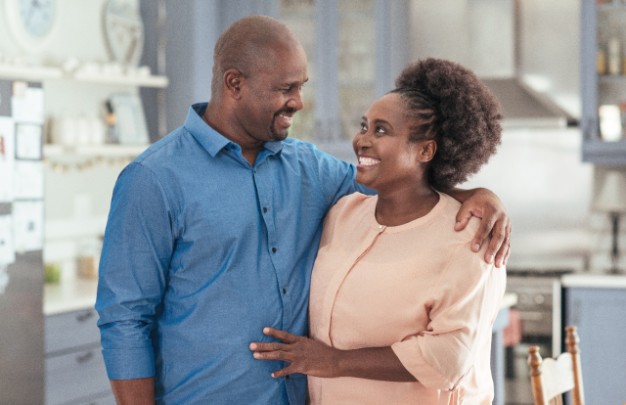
76 377
71 329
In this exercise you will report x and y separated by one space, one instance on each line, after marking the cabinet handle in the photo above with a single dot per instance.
532 316
84 358
84 316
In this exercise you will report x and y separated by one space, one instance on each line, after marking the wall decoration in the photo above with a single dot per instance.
131 124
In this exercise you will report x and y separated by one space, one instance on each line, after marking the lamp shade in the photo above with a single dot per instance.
612 195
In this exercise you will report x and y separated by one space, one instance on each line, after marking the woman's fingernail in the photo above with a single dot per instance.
476 247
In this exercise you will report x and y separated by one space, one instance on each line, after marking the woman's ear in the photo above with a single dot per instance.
232 82
427 150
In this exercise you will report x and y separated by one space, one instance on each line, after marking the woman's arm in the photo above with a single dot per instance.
311 357
494 222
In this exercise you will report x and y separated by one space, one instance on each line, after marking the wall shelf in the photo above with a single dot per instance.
130 80
106 150
29 73
42 73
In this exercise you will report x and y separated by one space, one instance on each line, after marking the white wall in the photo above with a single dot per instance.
549 193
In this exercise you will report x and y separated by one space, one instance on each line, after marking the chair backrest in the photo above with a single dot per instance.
551 378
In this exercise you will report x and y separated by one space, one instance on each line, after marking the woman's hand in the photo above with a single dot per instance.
494 222
304 355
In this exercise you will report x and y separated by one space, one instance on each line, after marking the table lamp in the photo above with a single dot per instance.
612 200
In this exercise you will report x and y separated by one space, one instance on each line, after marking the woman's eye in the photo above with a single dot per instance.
380 130
363 128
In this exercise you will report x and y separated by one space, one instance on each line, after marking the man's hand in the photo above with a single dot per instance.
494 223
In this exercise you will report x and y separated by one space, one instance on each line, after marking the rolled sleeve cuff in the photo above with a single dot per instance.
410 355
126 364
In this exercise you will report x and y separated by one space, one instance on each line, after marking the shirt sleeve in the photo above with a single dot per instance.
137 248
337 178
466 300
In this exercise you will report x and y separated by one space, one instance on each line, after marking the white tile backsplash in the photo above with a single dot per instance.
547 189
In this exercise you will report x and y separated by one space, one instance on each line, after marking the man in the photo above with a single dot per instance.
213 232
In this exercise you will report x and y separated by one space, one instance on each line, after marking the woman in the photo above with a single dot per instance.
401 309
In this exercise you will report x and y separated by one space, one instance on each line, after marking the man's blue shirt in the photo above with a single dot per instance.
201 251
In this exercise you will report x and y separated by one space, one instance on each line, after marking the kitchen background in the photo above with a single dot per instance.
85 86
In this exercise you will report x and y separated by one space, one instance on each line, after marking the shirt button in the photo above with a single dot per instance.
287 377
284 291
264 209
274 250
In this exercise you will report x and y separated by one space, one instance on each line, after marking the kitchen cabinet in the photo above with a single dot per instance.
74 368
603 81
595 304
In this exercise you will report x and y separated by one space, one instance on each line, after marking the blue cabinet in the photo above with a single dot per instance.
603 80
599 313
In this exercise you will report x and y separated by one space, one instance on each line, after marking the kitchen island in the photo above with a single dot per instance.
595 303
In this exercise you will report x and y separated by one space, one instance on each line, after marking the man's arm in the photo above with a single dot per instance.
134 392
131 281
494 222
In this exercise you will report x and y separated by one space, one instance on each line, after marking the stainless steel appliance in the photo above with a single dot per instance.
21 243
539 309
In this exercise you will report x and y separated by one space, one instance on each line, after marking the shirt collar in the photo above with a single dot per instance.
210 139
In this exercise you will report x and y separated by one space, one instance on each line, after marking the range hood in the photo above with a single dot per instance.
522 107
511 45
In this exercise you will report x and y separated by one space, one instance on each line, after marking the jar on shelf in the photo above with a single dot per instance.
614 59
88 258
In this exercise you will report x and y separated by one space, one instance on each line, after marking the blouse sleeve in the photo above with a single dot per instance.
466 300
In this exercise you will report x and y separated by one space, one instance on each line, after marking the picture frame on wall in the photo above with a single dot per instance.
130 119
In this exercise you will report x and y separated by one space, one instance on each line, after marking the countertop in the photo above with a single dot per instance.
69 295
79 294
594 281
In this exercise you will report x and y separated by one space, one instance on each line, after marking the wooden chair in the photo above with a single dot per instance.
551 378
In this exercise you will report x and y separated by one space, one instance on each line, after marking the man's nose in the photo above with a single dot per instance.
296 102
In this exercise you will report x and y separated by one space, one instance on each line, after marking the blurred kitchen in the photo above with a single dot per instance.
85 86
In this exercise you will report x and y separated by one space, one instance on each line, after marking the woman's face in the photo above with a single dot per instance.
387 161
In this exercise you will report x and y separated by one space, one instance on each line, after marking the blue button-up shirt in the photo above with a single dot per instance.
201 251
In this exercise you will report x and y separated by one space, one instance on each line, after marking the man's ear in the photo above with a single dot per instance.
427 150
233 80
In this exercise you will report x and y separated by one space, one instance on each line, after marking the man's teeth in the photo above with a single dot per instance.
287 118
366 161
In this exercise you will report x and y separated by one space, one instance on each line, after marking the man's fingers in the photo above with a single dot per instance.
505 248
462 219
485 227
498 236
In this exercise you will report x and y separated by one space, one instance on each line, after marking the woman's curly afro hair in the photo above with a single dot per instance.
453 107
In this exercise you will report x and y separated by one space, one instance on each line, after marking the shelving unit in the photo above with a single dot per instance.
109 150
29 73
598 23
43 73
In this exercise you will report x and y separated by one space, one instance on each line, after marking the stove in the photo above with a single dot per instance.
539 308
539 305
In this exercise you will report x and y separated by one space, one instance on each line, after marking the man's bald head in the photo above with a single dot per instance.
248 45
